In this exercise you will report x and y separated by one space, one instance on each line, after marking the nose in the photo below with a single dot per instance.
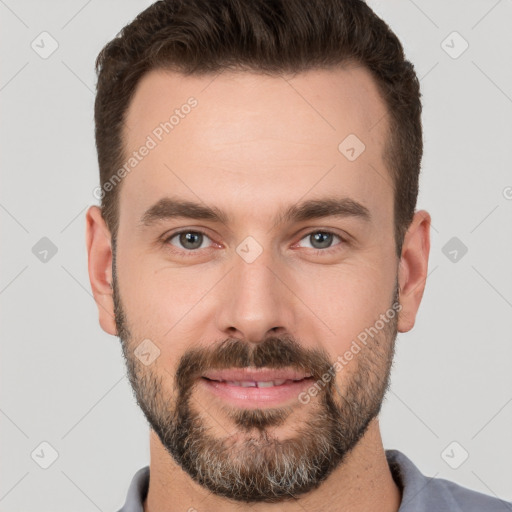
255 301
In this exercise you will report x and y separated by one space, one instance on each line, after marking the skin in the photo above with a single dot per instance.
254 145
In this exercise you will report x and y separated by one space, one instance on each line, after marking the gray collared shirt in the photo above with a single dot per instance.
419 493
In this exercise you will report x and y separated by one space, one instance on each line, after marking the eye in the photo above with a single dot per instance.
322 240
188 240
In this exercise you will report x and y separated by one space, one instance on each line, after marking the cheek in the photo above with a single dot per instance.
348 299
161 302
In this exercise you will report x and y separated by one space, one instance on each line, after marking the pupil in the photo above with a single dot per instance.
323 238
186 238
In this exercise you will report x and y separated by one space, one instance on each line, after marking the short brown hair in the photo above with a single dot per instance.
271 36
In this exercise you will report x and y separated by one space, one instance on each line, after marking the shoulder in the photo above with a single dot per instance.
469 500
421 493
137 491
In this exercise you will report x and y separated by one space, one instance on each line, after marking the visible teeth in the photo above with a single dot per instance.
267 384
259 384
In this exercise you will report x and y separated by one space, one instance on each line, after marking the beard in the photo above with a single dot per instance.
250 464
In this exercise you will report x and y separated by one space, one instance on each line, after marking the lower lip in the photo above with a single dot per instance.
257 397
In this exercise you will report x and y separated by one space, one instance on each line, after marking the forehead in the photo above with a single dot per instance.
344 98
248 135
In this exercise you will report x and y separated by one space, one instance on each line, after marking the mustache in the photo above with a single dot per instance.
274 352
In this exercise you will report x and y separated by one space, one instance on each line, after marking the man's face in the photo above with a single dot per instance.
256 290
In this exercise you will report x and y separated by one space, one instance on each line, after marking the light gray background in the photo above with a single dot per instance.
62 378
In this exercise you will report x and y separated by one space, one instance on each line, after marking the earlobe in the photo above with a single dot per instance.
413 268
99 252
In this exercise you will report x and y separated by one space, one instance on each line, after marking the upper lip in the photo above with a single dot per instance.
257 375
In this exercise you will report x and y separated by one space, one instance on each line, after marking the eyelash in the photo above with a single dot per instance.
194 252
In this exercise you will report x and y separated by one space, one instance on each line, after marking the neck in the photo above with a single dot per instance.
362 482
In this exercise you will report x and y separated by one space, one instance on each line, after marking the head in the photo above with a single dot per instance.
259 166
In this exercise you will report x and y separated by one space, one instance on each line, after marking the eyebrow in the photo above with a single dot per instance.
169 208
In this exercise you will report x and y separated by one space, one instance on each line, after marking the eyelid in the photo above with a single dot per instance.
344 240
168 236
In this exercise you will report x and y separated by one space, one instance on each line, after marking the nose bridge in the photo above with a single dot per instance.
254 299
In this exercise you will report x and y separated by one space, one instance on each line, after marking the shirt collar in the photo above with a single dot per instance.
419 493
416 488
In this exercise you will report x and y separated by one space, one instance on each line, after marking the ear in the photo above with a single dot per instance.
412 271
99 251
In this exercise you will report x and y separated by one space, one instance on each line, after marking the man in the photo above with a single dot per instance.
257 250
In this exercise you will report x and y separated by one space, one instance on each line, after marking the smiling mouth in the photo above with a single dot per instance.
252 387
258 383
